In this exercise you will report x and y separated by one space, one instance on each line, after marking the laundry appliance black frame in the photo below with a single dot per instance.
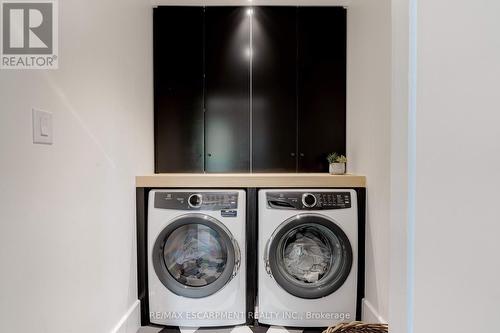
142 198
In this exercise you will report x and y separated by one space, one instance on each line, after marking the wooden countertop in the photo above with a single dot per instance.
245 180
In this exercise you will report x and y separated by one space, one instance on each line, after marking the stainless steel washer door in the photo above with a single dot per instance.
309 256
195 256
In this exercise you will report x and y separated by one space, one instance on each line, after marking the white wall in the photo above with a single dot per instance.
400 141
67 211
457 223
368 140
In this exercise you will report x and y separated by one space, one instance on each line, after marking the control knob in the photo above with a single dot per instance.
309 200
194 200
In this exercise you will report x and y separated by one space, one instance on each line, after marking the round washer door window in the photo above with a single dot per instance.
309 256
195 256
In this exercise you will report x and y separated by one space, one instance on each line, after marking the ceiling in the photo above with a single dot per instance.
344 3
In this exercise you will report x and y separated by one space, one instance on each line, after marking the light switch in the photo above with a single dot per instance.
42 127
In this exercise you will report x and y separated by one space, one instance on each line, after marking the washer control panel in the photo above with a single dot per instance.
196 200
309 200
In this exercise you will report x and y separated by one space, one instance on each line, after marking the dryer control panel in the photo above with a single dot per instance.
196 200
309 200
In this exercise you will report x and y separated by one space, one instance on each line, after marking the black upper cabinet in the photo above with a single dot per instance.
227 89
274 89
321 85
238 93
178 89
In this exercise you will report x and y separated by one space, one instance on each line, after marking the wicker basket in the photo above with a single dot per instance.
357 327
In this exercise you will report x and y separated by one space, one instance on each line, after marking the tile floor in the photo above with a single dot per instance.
235 329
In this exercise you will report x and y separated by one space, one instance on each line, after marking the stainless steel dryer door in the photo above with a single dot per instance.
309 256
195 256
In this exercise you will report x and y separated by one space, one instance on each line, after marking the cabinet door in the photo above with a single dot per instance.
227 89
322 85
178 89
274 89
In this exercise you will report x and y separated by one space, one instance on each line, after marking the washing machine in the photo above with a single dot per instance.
196 248
308 242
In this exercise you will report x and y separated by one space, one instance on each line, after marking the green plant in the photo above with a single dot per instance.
332 157
341 159
336 158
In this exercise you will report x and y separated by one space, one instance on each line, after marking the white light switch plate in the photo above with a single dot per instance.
42 127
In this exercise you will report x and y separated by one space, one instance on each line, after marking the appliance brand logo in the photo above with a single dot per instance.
29 34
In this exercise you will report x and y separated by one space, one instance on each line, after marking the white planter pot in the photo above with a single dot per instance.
337 168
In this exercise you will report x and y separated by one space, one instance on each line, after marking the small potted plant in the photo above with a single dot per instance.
337 163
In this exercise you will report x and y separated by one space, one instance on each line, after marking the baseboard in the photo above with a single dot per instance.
131 320
370 314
